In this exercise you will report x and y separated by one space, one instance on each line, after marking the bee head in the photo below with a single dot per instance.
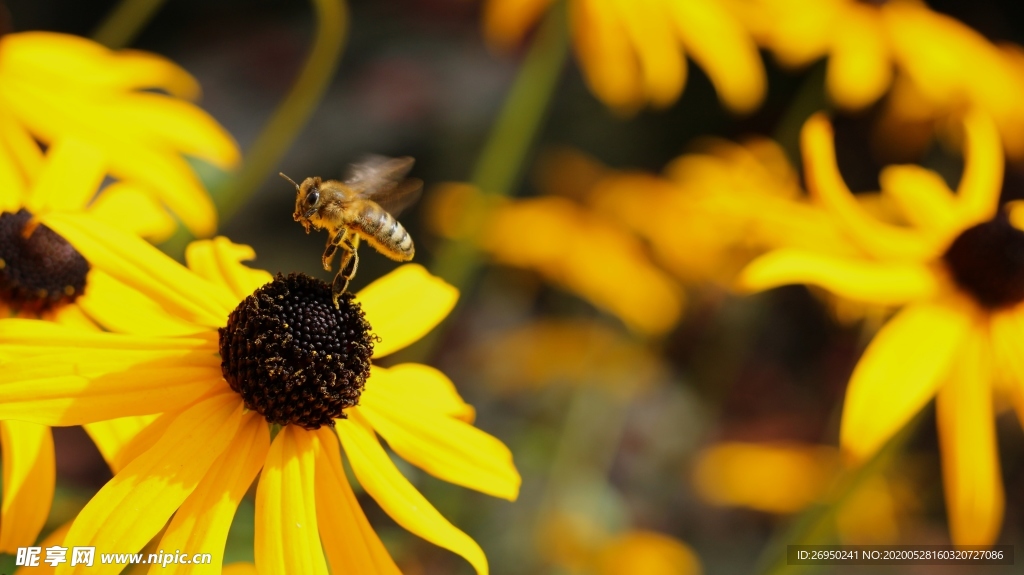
307 200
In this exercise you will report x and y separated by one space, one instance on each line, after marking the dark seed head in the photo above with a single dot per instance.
987 261
293 356
39 270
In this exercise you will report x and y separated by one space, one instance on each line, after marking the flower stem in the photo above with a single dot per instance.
816 524
810 97
124 23
501 161
294 111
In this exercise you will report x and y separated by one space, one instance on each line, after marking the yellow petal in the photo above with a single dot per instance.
1007 329
201 524
351 544
404 305
113 435
443 446
55 538
83 386
133 209
430 387
397 497
141 266
824 181
31 336
131 155
661 61
29 474
506 21
86 65
12 183
70 178
609 65
287 536
857 279
970 454
119 308
982 180
859 69
143 440
923 197
724 50
175 124
240 569
133 506
24 151
74 317
899 372
220 261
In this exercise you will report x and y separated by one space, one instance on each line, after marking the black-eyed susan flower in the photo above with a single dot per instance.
43 275
957 273
262 353
55 87
634 53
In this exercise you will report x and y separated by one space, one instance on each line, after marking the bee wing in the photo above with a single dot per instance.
374 176
400 196
382 180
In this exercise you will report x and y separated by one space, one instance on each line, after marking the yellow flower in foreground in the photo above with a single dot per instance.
43 275
297 361
946 65
633 53
55 86
956 271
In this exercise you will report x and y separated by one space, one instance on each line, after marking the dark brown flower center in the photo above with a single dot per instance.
293 356
39 270
987 261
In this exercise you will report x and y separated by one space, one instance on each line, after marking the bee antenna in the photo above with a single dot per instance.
289 179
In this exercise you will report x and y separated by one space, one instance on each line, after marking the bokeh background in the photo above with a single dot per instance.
614 433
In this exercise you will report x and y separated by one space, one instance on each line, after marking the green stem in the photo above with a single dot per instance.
124 23
816 524
810 97
501 160
294 111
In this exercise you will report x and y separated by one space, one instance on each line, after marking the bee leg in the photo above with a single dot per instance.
333 242
347 269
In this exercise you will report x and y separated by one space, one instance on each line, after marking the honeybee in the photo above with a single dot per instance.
361 206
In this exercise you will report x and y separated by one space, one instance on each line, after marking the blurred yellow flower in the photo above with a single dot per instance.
580 545
568 246
956 271
634 53
940 65
646 552
284 356
789 477
564 351
712 210
55 87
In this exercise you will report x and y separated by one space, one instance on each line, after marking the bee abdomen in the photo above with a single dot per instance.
384 233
